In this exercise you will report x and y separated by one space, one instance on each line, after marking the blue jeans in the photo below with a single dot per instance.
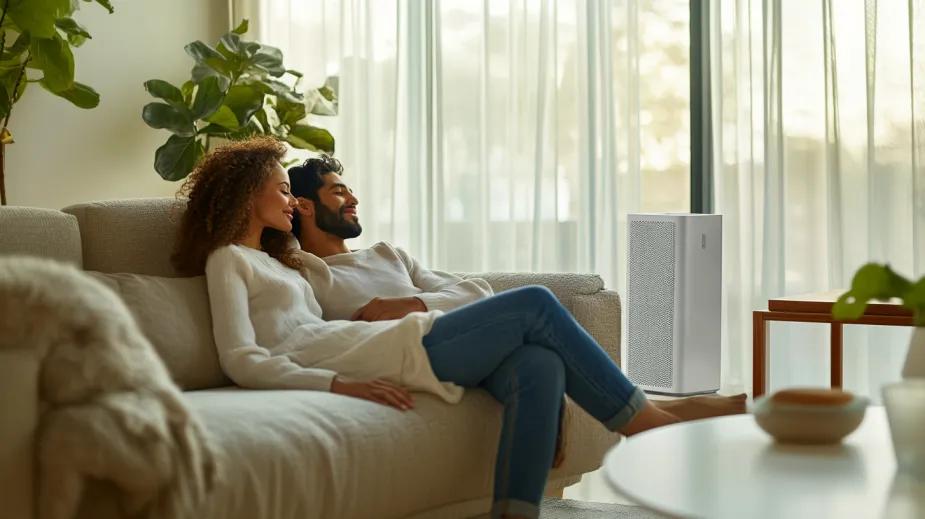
526 349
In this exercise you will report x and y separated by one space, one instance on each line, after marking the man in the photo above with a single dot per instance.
384 282
326 217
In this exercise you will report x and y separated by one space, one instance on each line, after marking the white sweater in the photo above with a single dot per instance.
270 334
343 283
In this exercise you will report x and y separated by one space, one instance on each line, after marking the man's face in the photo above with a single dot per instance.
337 212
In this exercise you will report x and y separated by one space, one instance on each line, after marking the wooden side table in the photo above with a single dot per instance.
813 308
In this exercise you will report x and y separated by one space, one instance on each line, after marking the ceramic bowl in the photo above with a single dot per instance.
810 415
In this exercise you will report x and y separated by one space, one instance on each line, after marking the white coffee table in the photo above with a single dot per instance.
728 467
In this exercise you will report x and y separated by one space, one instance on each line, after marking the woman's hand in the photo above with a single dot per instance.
388 308
378 390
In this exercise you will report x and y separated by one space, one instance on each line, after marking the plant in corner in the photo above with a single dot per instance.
38 35
236 91
880 282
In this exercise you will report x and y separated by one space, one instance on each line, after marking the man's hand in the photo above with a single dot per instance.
378 390
388 308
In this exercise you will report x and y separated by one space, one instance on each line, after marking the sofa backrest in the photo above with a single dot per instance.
130 242
134 235
39 232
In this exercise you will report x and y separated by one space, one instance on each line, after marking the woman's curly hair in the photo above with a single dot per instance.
220 191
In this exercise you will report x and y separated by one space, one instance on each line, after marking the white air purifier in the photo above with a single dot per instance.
674 291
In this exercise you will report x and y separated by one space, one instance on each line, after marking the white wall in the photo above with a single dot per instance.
63 154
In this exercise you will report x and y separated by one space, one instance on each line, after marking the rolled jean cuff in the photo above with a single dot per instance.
514 507
635 404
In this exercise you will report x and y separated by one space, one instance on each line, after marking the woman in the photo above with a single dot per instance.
269 332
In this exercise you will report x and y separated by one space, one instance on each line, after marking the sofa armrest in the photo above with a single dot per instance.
600 315
595 308
19 385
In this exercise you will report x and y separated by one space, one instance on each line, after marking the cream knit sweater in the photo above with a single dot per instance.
270 333
343 283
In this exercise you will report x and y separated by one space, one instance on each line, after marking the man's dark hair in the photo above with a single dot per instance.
307 178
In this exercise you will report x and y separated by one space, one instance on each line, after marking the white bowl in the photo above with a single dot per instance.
810 415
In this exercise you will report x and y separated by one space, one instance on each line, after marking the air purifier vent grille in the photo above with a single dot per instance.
651 302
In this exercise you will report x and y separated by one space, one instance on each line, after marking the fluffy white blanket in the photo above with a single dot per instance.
109 411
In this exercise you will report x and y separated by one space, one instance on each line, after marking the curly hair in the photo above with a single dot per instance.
308 177
220 192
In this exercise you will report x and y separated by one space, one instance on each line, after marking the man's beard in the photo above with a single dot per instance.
336 223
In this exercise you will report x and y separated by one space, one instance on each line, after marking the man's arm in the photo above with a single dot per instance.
442 290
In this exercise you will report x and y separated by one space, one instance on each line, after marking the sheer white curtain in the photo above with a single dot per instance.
818 120
499 135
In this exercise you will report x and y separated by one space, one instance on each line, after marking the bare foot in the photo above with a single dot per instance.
703 406
649 417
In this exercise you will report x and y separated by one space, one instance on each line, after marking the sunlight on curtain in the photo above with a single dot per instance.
500 135
815 172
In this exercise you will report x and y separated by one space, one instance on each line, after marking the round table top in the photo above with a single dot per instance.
728 467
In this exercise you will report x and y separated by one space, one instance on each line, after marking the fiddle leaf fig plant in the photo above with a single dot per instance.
880 282
36 41
237 89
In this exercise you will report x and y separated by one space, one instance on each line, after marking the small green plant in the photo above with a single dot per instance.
876 281
236 91
37 36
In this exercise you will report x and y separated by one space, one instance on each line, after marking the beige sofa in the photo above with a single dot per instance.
297 454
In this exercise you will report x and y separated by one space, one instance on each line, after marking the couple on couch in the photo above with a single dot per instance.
375 324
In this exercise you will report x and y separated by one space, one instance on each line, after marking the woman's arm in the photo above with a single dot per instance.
243 360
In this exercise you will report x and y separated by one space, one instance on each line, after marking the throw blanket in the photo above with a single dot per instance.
109 412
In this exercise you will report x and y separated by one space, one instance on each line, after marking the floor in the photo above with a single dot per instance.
593 487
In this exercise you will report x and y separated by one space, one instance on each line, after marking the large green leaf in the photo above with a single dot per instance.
9 79
290 113
250 48
82 96
223 117
37 17
217 130
76 35
201 52
281 90
208 98
206 55
244 101
317 104
107 4
187 90
872 281
311 138
53 57
200 72
270 121
164 90
241 28
269 59
18 47
230 41
5 101
11 67
177 157
172 118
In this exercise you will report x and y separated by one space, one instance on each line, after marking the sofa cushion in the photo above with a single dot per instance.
174 315
129 235
40 232
296 454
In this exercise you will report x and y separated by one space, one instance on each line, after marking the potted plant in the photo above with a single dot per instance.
37 35
238 89
880 282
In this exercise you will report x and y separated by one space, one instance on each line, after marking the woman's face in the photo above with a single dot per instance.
273 204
